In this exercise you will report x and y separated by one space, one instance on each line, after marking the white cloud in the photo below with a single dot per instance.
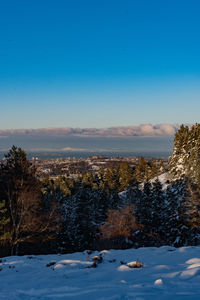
144 130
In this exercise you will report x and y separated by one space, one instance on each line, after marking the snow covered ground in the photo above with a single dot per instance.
163 180
168 273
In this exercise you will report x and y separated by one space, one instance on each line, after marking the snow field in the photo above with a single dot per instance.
167 273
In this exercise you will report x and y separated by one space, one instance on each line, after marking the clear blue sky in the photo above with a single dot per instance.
99 63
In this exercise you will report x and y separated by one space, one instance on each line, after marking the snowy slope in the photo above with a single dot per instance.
163 178
167 273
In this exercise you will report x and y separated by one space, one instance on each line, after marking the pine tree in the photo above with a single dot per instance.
185 160
142 170
126 178
144 209
5 232
172 197
193 211
23 202
178 203
80 219
111 179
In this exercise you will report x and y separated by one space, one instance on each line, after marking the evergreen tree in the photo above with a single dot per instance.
5 233
23 205
185 160
177 226
126 176
172 197
193 211
111 179
144 208
142 170
159 210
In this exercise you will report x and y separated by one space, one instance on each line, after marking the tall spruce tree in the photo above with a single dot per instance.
185 160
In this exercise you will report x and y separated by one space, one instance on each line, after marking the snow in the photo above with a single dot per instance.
167 272
158 282
163 178
179 167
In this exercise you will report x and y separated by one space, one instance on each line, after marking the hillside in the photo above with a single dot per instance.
167 272
186 153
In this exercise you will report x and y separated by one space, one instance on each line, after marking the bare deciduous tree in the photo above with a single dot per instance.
119 224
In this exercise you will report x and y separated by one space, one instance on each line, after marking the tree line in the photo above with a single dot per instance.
119 207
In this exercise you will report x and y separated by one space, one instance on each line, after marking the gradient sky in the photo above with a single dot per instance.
99 63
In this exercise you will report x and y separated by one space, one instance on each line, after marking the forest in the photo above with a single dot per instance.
120 207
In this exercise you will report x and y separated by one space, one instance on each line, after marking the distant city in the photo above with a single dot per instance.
73 167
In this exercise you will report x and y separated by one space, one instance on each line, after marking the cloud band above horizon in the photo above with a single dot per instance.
144 130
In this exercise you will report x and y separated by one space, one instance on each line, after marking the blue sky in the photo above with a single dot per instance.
99 63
